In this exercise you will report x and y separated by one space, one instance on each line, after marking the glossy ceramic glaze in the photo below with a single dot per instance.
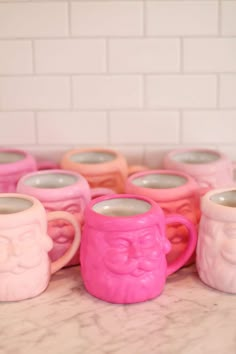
124 247
59 190
25 267
176 193
216 250
211 169
103 168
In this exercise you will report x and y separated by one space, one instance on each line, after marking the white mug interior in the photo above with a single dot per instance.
121 207
50 180
93 157
227 198
11 156
196 157
159 181
12 205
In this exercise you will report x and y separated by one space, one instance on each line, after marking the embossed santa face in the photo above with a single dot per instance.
110 180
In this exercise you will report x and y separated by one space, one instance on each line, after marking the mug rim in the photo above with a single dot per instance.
55 194
188 189
19 165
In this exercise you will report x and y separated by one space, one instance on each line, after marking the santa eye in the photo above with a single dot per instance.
120 244
147 241
184 209
107 183
74 208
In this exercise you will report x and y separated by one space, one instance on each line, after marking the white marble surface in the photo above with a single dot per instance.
188 318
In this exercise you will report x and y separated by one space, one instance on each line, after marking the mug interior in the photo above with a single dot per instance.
12 205
159 181
50 180
11 156
122 207
227 198
93 157
196 157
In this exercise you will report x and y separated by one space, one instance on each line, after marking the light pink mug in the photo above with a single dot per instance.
25 267
16 163
59 190
124 247
176 193
210 168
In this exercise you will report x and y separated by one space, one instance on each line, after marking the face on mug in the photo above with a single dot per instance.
109 180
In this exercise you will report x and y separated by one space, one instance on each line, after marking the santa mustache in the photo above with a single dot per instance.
19 264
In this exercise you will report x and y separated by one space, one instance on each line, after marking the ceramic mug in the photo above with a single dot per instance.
211 168
176 193
103 168
14 164
216 250
59 190
25 267
124 247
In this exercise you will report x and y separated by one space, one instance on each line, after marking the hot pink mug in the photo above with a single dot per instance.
14 164
210 168
124 247
176 193
25 267
59 190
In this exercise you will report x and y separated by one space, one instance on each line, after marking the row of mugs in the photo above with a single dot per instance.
106 170
122 249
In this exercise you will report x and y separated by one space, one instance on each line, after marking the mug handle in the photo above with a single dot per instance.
136 168
67 256
99 192
46 165
187 253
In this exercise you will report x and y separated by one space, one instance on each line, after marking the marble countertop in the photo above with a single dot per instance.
188 318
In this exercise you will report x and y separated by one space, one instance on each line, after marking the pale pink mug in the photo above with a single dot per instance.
59 190
106 170
216 249
16 163
176 193
124 247
25 267
210 168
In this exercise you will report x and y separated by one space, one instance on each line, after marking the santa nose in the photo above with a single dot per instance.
135 250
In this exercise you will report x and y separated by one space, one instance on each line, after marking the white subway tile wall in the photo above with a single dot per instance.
139 76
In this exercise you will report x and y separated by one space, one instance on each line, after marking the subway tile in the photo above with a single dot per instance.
107 92
228 17
39 19
144 55
17 128
209 126
104 18
228 91
210 54
181 18
72 127
181 91
144 127
70 56
15 57
34 93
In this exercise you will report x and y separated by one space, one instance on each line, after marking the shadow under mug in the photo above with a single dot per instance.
210 168
105 170
25 267
59 190
124 246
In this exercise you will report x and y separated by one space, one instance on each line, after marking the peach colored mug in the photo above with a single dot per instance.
16 163
176 193
59 190
124 247
103 168
216 250
25 267
211 168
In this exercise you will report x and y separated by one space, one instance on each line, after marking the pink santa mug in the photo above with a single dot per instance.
14 164
25 267
176 193
59 190
216 249
124 247
106 170
210 168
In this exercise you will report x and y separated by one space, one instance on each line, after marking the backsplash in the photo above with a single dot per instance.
139 76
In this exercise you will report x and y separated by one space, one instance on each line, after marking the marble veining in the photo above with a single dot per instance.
188 318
